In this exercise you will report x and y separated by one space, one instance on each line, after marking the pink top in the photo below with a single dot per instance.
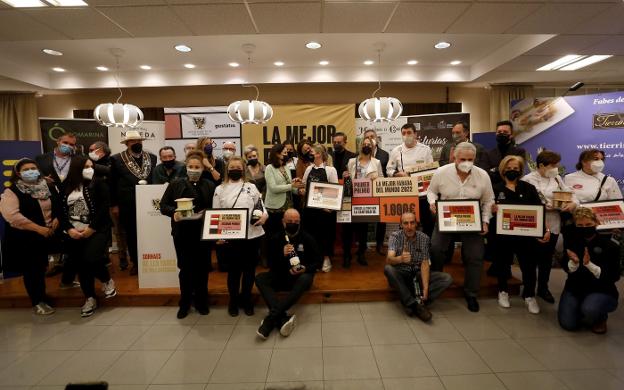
9 208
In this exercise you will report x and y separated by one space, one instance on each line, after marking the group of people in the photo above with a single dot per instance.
66 198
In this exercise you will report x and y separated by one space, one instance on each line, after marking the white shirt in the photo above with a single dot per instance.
332 174
545 187
403 158
371 170
586 186
225 196
446 182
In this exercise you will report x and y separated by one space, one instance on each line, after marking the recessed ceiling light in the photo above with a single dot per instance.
369 62
102 68
58 69
561 62
52 52
234 64
313 45
278 63
412 62
189 66
183 48
455 62
68 3
145 67
586 62
323 63
442 45
25 3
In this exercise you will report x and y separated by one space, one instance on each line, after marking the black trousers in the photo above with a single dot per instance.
242 257
322 224
544 257
503 250
34 270
127 219
88 255
380 234
361 233
269 284
194 264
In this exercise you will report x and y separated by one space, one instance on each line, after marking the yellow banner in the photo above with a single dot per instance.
316 122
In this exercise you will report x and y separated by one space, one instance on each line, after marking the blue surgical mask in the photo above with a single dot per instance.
66 149
30 176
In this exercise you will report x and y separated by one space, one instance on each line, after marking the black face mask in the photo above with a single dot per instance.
290 155
252 161
292 228
338 148
208 150
136 148
367 150
309 157
502 139
512 175
586 232
169 164
235 174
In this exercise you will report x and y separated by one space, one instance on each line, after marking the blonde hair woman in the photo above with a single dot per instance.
254 172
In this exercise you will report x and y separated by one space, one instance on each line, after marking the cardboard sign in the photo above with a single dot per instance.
395 186
362 188
365 209
391 209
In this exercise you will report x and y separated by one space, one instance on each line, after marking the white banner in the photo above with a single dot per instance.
157 258
388 133
217 146
213 125
152 131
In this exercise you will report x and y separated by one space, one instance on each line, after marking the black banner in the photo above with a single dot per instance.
86 131
434 130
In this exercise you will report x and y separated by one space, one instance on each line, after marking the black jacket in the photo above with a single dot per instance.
492 158
45 162
202 194
102 167
97 197
306 247
340 161
383 158
122 181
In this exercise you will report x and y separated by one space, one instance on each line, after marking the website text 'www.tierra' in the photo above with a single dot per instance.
604 145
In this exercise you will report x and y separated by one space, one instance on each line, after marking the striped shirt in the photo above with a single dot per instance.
418 247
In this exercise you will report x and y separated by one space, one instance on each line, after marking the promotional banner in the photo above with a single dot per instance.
87 131
316 122
152 131
157 258
388 133
568 125
209 125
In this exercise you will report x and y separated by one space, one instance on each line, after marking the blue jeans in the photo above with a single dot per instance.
592 309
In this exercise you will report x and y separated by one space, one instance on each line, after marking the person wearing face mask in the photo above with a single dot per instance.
31 208
189 147
213 167
294 257
130 168
364 166
512 190
546 180
588 182
459 133
291 158
462 180
193 254
383 157
169 169
254 172
55 165
100 153
87 222
227 151
306 157
505 146
405 157
242 257
339 153
591 262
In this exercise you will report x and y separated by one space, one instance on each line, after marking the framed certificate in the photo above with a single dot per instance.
325 196
225 224
459 216
610 213
520 220
424 178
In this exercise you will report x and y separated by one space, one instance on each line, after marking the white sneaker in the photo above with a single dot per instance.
43 309
532 306
89 307
288 326
327 265
503 300
109 289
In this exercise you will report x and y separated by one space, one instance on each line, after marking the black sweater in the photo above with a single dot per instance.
306 247
202 193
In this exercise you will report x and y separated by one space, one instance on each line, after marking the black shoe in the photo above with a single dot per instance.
473 305
361 259
546 296
249 309
203 310
346 262
233 310
266 327
420 311
182 312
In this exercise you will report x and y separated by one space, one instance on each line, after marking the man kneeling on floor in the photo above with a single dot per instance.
408 268
294 257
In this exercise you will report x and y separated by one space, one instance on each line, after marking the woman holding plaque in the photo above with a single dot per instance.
242 257
512 190
192 252
558 198
364 166
320 222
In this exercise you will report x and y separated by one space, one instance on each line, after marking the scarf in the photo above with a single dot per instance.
38 190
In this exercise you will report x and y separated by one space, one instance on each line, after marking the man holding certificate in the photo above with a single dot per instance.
462 220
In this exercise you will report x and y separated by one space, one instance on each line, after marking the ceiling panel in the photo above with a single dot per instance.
610 21
356 17
15 26
492 18
153 21
301 17
612 45
558 18
216 19
425 17
78 23
568 44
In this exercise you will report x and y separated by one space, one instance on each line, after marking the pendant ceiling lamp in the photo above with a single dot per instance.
118 114
380 109
250 111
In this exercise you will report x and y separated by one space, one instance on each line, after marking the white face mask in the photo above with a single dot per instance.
193 174
597 166
94 156
465 166
409 140
87 173
227 154
551 173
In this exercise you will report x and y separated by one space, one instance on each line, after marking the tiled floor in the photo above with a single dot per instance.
335 346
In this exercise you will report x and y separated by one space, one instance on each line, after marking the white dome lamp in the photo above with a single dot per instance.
250 111
380 109
118 114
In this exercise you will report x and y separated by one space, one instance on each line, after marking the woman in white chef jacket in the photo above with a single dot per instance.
242 257
588 182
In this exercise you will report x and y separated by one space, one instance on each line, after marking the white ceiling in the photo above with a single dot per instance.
496 40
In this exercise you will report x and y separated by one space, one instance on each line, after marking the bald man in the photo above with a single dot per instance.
228 150
294 257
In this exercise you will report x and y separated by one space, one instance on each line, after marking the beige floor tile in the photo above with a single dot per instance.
242 365
349 363
438 330
589 379
341 312
535 380
117 337
400 361
136 367
83 366
340 334
390 332
424 383
161 338
188 366
306 334
506 356
472 382
296 364
207 337
455 358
